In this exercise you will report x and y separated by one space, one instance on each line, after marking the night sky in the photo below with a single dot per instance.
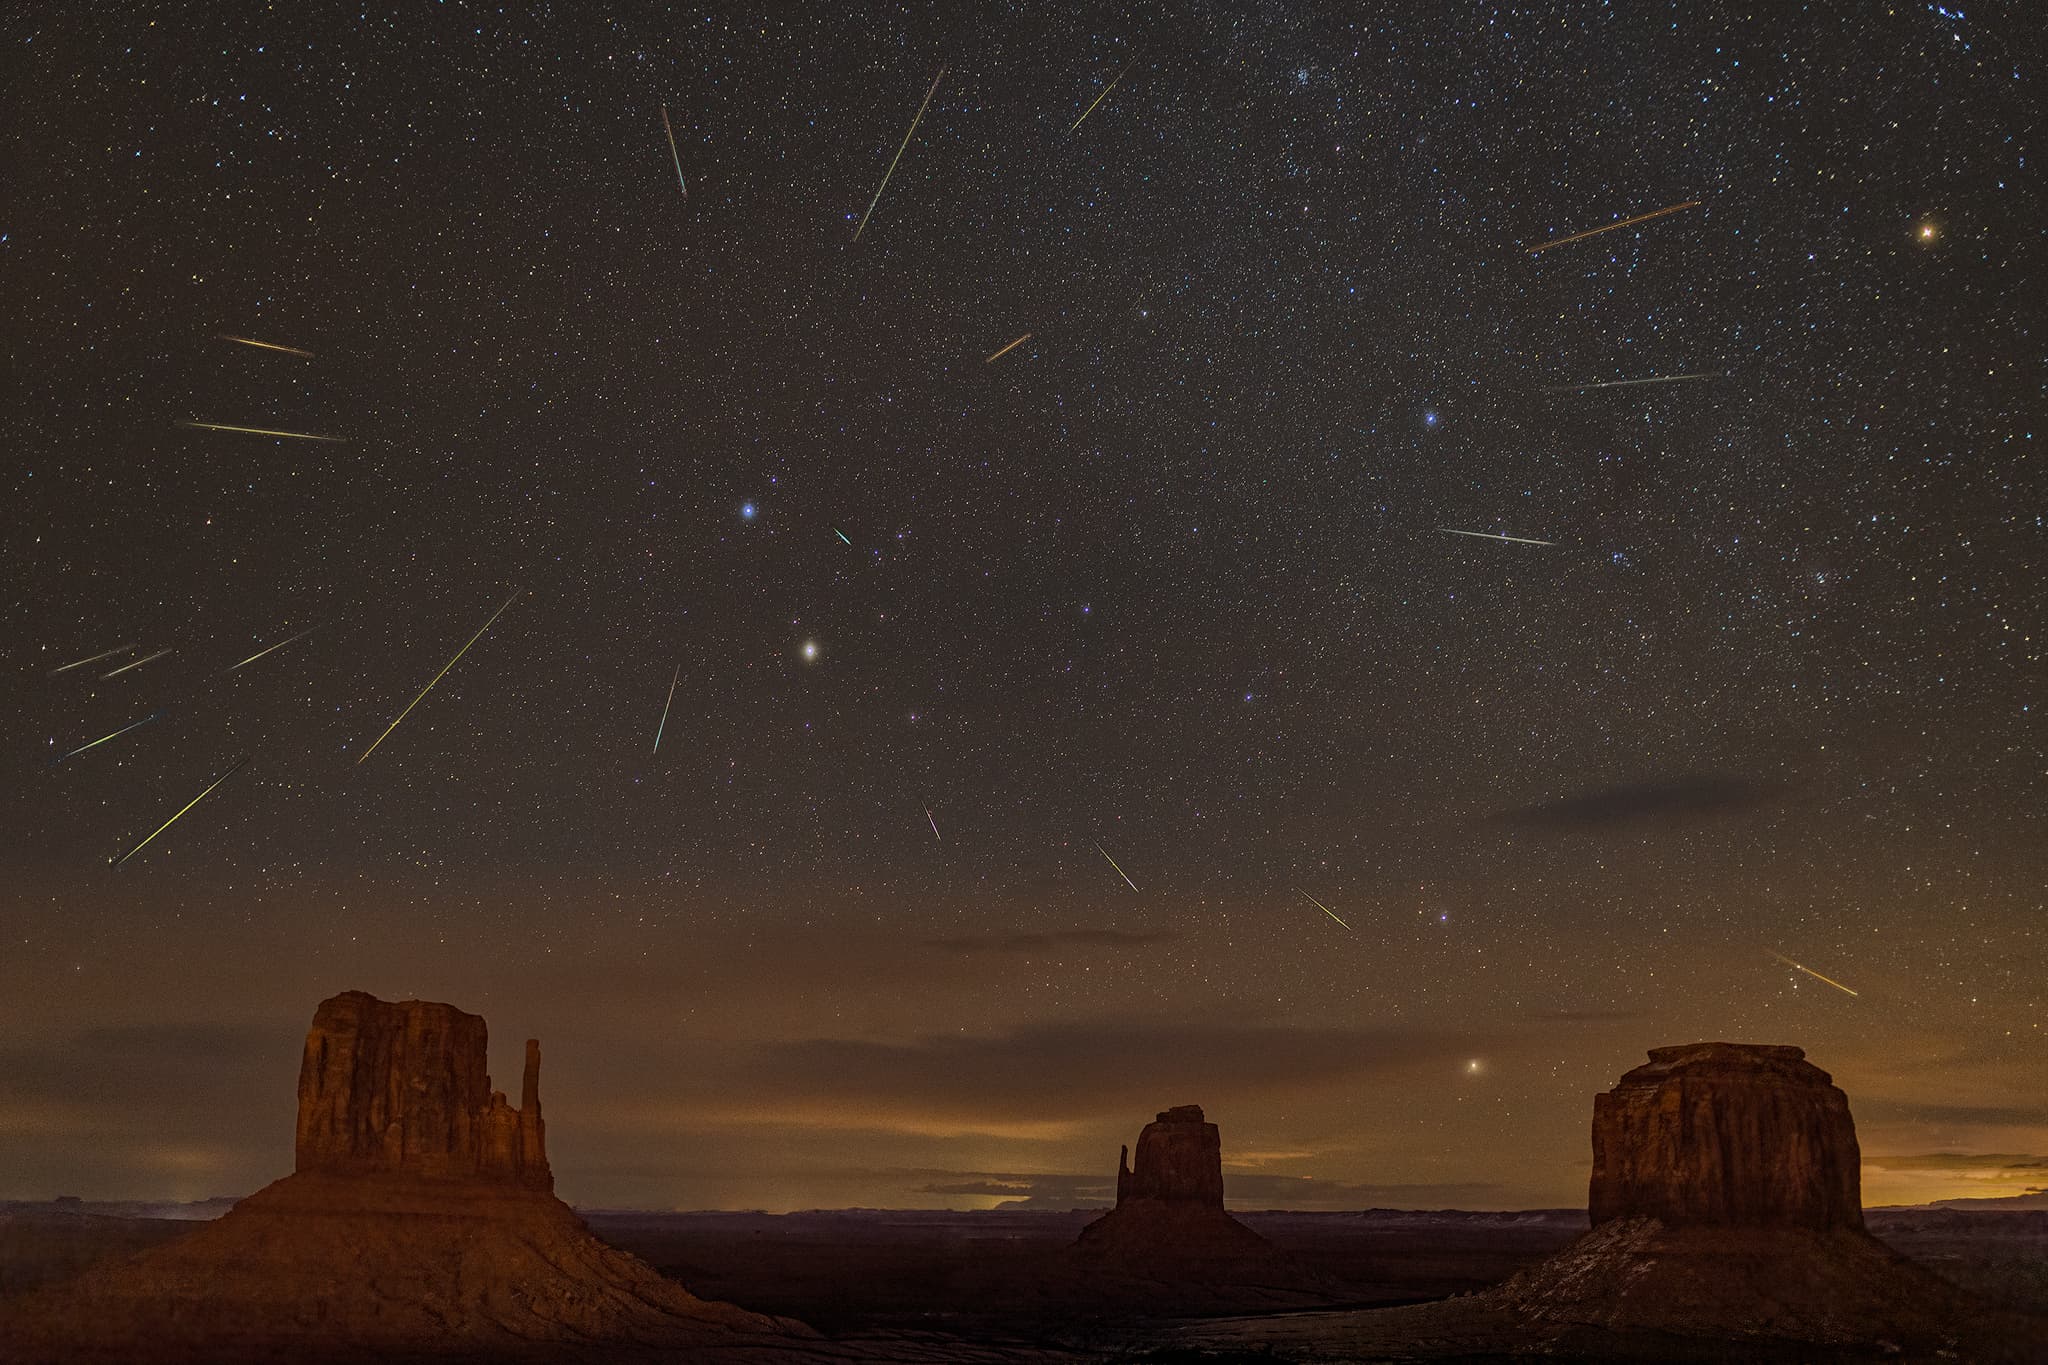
1166 584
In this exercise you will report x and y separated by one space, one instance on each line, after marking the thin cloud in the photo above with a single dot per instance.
1688 797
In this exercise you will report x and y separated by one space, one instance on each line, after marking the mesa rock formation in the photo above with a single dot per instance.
419 1224
1170 1204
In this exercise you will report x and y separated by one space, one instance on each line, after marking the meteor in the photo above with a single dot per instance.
1324 908
148 658
672 150
116 862
279 645
1112 862
104 738
935 824
1630 383
665 705
438 676
1099 99
842 535
260 431
1626 222
263 345
899 153
1007 349
1488 535
1812 973
103 654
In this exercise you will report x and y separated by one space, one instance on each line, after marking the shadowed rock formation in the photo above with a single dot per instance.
1170 1205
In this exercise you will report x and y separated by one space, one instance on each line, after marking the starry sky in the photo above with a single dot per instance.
1020 706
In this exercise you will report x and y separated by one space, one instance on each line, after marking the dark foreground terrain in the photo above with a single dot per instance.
1006 1279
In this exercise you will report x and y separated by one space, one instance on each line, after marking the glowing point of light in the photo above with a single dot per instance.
810 651
747 510
1429 419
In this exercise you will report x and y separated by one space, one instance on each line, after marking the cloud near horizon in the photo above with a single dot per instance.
1687 797
1240 1191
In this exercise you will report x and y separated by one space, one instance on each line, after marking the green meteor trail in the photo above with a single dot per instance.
104 738
862 227
116 862
438 676
1324 908
1112 862
279 645
842 535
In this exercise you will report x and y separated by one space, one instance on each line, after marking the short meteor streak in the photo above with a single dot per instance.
842 535
103 654
147 658
1007 349
934 824
899 153
673 152
263 345
271 649
1631 383
438 676
1626 222
665 705
1324 908
1812 973
261 431
1098 99
116 862
104 738
1112 862
1489 535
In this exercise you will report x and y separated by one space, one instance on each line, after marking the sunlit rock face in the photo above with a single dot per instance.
1726 1135
404 1088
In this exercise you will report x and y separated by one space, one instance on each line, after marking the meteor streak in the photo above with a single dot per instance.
104 738
116 862
1007 349
140 662
103 654
1812 973
279 645
842 535
1488 535
1626 222
1324 908
665 705
1112 862
935 824
263 345
1099 99
899 153
672 150
261 431
438 676
1630 383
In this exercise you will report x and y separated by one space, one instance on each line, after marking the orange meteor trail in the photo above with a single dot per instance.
899 153
148 658
1098 99
1007 349
1324 908
103 654
1626 222
116 862
1812 973
1112 862
260 431
279 645
263 345
438 676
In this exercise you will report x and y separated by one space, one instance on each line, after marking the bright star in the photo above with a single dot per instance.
1429 419
810 651
747 510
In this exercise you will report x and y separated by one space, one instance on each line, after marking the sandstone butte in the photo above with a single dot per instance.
1169 1204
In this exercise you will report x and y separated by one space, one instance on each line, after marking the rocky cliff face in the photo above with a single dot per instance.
1169 1206
404 1088
1726 1135
1180 1161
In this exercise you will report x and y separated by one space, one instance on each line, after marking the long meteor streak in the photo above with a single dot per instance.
103 654
1007 349
899 153
438 676
261 431
1098 99
842 535
1112 862
1626 222
934 823
1488 535
1631 383
665 705
263 345
270 649
1324 908
1812 973
147 658
104 738
673 152
116 862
